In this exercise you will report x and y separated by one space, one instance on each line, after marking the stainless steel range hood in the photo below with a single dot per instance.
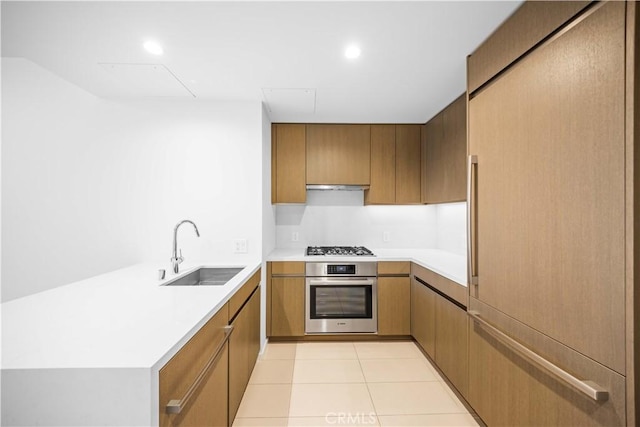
326 187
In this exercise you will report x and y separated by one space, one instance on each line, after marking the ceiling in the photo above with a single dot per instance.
288 54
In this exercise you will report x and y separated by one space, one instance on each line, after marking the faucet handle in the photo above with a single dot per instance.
180 258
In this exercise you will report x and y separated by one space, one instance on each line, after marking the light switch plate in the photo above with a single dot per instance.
386 236
240 246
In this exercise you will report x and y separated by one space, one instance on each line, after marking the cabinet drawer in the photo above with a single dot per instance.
181 372
394 268
287 268
238 299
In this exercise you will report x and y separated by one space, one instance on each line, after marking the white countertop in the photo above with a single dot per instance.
447 264
122 319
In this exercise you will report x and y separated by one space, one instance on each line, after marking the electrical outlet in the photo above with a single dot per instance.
240 246
386 236
294 236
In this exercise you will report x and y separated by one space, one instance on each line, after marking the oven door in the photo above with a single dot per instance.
341 305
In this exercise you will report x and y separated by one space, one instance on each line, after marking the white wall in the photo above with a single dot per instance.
339 218
90 185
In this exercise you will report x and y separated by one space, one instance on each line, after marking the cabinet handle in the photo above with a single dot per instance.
175 406
472 266
587 387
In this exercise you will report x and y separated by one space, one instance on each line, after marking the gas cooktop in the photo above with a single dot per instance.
339 251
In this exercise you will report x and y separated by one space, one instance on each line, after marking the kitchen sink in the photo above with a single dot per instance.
206 276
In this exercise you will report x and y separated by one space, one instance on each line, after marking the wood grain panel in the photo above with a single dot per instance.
506 390
383 166
394 306
244 346
448 287
288 268
243 293
423 163
423 316
268 299
633 210
290 163
435 159
454 178
408 154
338 154
274 165
452 338
528 25
209 405
549 136
287 306
394 268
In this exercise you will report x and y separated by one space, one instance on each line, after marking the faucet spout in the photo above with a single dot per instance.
175 259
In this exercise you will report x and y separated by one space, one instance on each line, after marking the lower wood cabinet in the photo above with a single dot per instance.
394 298
452 343
207 404
285 299
244 346
423 316
440 327
207 377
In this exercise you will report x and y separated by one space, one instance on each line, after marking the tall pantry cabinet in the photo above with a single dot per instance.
552 211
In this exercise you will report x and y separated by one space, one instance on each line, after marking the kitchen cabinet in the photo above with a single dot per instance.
451 346
395 165
394 298
439 323
408 164
244 344
383 166
288 163
338 154
445 147
550 234
285 299
208 403
423 316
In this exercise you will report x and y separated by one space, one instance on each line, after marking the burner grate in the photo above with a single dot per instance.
338 251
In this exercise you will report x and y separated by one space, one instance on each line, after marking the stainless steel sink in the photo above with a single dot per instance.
206 277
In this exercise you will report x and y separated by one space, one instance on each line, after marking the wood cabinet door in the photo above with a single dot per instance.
209 403
290 163
338 154
452 346
383 166
407 166
423 316
434 159
287 306
243 351
394 306
446 152
550 144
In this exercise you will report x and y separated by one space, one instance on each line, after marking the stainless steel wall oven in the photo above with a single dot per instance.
341 298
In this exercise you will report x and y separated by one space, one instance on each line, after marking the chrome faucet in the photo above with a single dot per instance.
175 259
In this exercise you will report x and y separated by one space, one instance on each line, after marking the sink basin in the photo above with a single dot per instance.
206 277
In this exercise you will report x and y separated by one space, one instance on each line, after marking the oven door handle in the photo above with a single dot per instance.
333 281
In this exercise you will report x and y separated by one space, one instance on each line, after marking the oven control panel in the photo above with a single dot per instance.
341 269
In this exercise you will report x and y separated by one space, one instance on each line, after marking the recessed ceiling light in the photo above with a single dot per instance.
153 47
352 51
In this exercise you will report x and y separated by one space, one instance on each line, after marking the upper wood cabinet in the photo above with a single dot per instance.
288 157
395 165
383 166
338 154
445 149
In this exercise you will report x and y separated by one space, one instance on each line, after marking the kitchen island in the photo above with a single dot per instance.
89 353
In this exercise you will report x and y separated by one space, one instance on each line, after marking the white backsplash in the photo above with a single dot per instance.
451 219
340 218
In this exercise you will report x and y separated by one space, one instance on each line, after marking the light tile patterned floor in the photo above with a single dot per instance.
348 384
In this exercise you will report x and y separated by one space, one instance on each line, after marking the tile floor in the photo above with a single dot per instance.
348 384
